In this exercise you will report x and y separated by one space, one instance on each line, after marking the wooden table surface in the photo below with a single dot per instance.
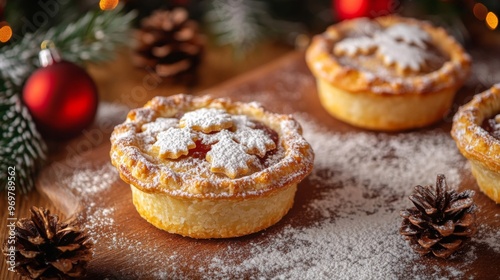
119 82
119 78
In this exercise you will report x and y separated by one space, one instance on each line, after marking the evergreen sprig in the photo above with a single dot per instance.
93 37
239 23
22 147
243 24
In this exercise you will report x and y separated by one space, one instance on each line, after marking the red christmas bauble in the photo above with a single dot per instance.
62 99
348 9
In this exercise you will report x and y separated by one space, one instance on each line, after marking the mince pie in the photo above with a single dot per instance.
388 73
476 130
210 168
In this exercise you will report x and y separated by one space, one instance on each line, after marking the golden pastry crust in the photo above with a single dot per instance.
382 112
324 65
391 93
213 218
166 183
476 144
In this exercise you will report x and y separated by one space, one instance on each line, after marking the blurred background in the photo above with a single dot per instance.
228 37
109 52
245 24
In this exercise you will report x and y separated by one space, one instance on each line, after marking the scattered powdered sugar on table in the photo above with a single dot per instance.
98 218
89 178
92 179
361 182
489 236
365 179
101 227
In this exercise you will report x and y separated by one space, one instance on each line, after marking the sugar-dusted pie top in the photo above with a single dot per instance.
233 145
401 49
388 55
472 138
200 146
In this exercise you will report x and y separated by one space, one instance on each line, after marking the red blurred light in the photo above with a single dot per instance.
347 9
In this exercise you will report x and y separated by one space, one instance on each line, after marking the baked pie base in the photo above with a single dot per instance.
372 100
182 196
476 144
382 112
213 218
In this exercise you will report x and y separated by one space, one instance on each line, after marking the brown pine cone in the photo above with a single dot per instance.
48 249
169 42
441 221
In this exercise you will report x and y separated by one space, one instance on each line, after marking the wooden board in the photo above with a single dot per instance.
127 247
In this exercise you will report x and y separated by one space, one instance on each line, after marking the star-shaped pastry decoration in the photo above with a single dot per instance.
409 34
402 45
231 151
159 125
255 141
174 143
355 46
405 56
229 158
207 120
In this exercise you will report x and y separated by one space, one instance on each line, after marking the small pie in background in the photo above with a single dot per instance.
388 73
210 168
476 130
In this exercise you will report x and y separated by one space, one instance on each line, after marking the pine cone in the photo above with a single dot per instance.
47 249
441 221
169 42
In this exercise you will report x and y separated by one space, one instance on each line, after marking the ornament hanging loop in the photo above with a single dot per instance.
49 53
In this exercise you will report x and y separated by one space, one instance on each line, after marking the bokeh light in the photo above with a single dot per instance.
492 20
347 9
5 32
480 11
107 5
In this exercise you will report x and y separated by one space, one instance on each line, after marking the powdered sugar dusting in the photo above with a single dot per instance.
92 180
232 140
409 34
159 125
361 181
489 236
98 219
356 233
254 141
102 229
206 120
356 45
229 157
401 44
174 142
404 55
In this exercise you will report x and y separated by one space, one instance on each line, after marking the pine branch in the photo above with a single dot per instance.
240 23
93 37
245 23
22 145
